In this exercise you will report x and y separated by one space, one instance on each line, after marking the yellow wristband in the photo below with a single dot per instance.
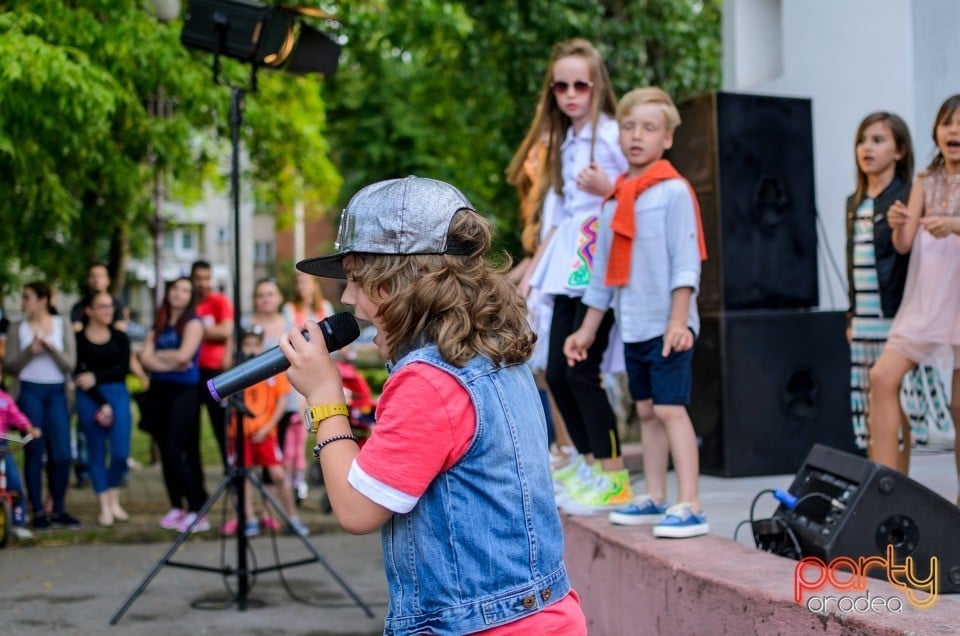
313 415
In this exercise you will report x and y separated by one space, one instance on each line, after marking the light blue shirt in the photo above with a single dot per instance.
665 255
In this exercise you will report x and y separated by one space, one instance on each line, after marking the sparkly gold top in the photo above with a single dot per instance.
941 193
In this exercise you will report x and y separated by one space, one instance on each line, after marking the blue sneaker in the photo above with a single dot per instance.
643 511
681 522
251 528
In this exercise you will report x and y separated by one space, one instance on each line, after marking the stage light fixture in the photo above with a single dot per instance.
261 35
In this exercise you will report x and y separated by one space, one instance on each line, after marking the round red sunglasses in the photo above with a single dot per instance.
579 86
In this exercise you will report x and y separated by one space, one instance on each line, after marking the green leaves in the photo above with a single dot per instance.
448 89
431 87
79 145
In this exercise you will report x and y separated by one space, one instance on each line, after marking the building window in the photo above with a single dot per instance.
263 252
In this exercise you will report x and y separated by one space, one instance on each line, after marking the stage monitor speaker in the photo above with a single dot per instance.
767 386
879 507
750 160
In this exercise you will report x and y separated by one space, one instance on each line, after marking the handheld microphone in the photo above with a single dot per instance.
338 330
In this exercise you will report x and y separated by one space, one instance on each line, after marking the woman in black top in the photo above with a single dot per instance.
103 403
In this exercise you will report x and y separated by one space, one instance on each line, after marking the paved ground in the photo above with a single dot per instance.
74 582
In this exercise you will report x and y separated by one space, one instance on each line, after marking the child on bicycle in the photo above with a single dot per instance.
12 416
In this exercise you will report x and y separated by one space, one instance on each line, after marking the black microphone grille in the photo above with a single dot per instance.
341 329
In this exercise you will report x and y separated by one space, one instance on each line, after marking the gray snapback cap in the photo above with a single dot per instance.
398 216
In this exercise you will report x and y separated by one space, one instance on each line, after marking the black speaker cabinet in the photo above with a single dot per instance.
767 386
750 160
878 507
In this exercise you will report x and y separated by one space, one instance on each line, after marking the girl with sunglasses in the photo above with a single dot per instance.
575 118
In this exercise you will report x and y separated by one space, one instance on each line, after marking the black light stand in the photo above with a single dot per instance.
238 472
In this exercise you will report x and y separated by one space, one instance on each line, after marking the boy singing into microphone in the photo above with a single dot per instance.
456 474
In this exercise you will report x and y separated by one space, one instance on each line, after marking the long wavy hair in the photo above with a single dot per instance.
551 124
463 304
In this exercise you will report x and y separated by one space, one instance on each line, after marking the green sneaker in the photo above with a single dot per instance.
579 481
566 472
608 491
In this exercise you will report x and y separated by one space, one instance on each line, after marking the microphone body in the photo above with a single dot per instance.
338 330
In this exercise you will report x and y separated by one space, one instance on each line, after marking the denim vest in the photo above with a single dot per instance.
484 544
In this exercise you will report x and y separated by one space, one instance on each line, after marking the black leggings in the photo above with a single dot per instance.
216 410
577 390
174 405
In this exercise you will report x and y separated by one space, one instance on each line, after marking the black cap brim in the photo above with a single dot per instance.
324 266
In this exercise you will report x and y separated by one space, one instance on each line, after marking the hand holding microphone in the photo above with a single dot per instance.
338 331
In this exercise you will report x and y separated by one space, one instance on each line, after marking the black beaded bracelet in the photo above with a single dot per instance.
335 438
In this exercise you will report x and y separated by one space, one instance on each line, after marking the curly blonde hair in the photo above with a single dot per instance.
463 304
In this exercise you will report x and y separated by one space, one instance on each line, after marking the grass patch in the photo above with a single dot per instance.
375 377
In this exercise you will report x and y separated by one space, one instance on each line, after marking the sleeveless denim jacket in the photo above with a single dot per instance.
484 544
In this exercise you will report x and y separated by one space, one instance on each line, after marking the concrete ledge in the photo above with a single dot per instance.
632 583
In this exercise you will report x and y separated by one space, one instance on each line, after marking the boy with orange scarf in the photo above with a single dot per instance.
650 246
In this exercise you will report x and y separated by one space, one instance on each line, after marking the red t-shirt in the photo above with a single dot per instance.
213 310
425 423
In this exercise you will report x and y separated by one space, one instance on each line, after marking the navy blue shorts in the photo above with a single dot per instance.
666 380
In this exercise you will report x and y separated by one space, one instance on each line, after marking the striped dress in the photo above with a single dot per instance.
868 327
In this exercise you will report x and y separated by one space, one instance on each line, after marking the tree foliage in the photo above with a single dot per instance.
448 89
78 147
430 87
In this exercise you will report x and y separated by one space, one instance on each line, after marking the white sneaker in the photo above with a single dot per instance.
21 533
202 524
171 520
561 455
299 527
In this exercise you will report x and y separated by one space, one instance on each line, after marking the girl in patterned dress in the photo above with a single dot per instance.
583 157
876 272
929 316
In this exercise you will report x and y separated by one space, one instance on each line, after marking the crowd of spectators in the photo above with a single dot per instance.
66 381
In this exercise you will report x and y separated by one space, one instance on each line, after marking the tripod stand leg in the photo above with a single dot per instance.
165 559
317 557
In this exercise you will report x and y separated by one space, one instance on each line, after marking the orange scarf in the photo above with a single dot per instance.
627 191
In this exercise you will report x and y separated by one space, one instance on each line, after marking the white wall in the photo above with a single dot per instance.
851 57
936 68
